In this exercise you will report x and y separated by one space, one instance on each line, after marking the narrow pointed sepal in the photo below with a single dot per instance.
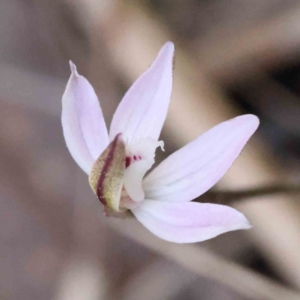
143 109
106 177
189 222
195 168
83 124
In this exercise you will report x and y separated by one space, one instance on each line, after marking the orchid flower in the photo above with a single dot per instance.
117 162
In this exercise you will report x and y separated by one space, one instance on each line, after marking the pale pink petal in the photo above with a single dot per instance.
192 170
188 222
82 120
143 109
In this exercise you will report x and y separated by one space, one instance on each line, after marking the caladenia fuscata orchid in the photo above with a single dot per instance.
117 162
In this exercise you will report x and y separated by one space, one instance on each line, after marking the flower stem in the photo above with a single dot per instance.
226 197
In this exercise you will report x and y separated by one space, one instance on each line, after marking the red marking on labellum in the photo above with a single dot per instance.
106 166
127 161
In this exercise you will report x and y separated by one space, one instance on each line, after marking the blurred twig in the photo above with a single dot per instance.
266 44
247 283
225 197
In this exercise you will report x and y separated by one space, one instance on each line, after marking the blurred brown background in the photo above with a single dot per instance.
233 57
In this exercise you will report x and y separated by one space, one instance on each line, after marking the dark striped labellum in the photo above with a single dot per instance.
106 177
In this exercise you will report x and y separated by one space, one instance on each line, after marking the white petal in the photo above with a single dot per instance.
82 120
133 178
143 109
141 158
188 222
192 170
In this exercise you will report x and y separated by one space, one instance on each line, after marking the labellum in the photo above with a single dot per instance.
106 177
